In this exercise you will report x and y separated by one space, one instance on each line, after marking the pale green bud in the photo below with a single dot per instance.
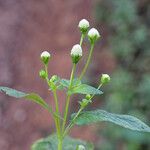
84 103
93 35
88 96
83 25
54 78
76 53
42 74
45 56
105 78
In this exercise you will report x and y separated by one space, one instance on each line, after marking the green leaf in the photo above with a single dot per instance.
78 87
125 121
85 89
31 96
51 142
66 83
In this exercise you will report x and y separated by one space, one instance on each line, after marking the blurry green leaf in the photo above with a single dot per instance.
30 96
85 89
125 121
66 83
50 143
77 87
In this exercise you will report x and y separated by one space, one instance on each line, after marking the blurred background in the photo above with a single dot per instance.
29 27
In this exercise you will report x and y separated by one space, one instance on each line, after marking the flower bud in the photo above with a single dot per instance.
84 103
81 147
105 78
93 35
54 78
45 56
42 74
83 25
76 53
88 96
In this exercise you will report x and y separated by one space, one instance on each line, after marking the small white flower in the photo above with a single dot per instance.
93 34
81 147
76 50
105 78
76 53
83 25
45 56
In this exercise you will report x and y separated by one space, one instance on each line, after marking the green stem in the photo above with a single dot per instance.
68 98
81 39
72 122
57 111
76 116
56 117
60 144
87 63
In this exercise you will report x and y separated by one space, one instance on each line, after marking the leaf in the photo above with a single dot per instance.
66 83
50 143
125 121
85 89
78 87
31 96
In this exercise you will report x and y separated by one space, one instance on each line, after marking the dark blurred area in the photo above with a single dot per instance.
29 27
125 25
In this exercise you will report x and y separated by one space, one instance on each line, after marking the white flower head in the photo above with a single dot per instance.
105 78
76 53
83 25
93 35
45 56
76 50
81 147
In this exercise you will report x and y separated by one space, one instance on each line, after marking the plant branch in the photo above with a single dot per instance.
77 114
68 98
81 39
87 63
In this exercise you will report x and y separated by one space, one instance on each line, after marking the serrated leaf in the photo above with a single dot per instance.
85 89
125 121
51 142
30 96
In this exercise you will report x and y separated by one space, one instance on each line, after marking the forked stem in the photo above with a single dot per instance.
76 116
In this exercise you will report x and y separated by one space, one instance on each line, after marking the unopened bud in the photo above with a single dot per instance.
105 78
42 74
76 53
83 25
84 103
45 56
93 35
54 78
88 96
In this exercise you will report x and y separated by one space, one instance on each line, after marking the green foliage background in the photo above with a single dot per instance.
128 25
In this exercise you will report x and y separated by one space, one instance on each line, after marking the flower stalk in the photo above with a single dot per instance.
68 98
